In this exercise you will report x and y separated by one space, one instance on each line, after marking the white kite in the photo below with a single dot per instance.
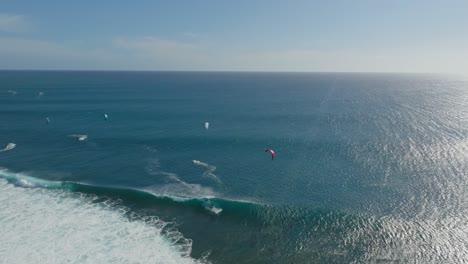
79 137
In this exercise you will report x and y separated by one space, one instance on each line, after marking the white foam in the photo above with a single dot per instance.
56 226
199 163
207 125
215 210
208 205
9 146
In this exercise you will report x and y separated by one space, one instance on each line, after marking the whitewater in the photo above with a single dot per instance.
42 225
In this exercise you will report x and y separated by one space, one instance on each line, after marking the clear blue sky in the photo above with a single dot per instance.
347 35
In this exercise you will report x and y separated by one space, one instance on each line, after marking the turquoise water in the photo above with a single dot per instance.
368 167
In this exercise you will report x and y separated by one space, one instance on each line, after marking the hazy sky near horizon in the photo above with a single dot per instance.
263 35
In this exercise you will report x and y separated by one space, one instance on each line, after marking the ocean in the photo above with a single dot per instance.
369 168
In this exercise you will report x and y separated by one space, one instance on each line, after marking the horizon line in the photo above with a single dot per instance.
225 71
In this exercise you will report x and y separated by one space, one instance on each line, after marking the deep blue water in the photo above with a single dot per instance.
368 167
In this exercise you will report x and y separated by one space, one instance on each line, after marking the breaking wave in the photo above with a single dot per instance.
48 222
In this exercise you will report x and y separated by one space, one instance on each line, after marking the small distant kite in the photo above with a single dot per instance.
82 137
272 152
79 137
106 117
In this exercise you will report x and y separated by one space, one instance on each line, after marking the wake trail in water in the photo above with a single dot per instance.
208 173
153 167
178 187
9 146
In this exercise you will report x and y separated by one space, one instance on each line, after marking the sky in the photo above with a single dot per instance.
242 35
